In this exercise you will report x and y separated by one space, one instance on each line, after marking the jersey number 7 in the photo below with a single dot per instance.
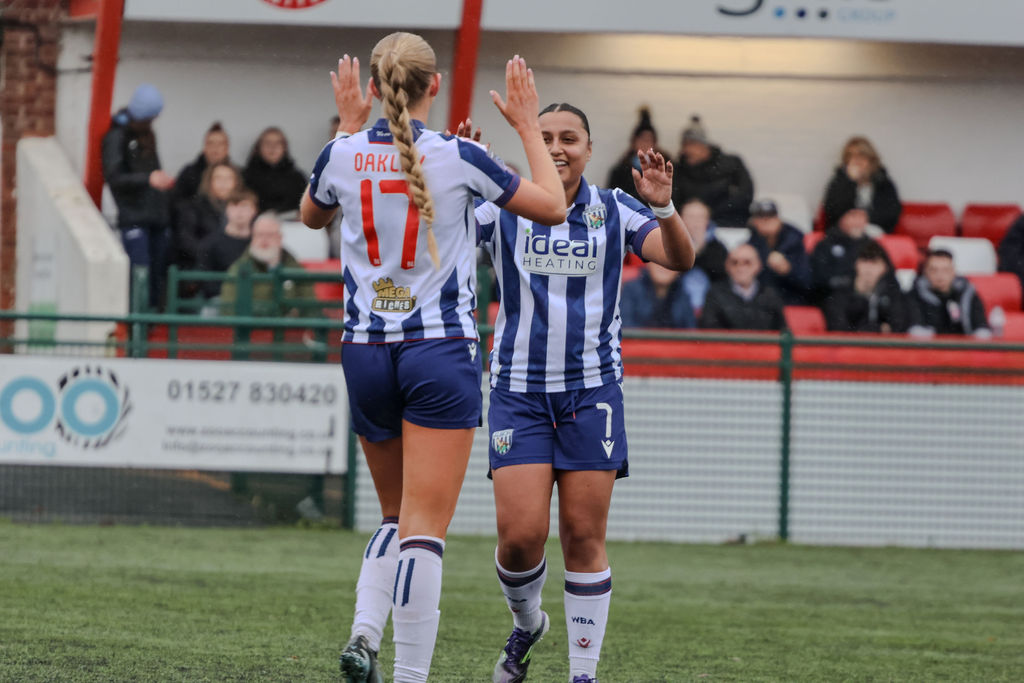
412 221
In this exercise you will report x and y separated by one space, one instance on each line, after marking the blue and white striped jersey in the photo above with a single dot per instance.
392 290
558 325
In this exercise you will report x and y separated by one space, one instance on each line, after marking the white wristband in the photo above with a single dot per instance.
664 211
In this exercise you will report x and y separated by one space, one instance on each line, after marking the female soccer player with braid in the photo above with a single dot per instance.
410 351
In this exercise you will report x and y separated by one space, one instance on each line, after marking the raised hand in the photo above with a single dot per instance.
353 106
654 179
520 106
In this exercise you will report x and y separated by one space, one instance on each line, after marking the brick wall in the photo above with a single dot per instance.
28 59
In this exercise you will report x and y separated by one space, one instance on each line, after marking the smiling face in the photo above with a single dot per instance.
743 265
568 144
272 147
223 182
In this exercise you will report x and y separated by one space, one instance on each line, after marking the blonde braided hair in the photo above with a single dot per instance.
403 65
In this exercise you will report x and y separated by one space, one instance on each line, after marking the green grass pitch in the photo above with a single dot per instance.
81 603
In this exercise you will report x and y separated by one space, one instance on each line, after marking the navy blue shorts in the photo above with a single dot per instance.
583 429
431 383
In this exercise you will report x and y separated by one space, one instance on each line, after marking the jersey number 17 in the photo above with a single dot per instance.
412 221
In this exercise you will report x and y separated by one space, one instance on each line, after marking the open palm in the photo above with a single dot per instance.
654 179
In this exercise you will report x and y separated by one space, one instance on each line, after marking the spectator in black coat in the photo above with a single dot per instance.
709 266
718 179
271 173
220 249
1011 250
656 299
787 269
862 186
644 138
874 301
216 148
131 167
832 261
944 303
742 303
204 214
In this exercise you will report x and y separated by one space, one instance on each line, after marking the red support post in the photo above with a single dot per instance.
104 69
467 47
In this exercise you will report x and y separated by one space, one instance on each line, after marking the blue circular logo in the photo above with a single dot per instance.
71 412
46 410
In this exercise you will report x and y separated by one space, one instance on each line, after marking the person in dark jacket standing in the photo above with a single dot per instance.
718 179
656 299
787 269
861 189
742 303
644 138
943 302
271 173
874 301
131 168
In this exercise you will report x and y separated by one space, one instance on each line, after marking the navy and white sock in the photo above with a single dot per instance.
522 593
376 578
416 595
587 596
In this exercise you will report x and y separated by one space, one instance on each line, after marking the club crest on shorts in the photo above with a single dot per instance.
501 441
594 216
472 350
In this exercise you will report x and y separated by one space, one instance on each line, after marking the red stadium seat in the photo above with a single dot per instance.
804 320
326 291
902 251
1000 289
811 240
990 221
921 221
819 219
1013 330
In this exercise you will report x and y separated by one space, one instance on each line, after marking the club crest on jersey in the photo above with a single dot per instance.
501 441
594 216
392 299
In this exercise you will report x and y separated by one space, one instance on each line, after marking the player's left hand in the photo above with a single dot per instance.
353 106
654 179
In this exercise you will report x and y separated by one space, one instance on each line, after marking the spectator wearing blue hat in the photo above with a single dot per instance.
140 188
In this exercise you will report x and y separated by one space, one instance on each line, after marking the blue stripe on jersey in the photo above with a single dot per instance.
537 361
450 306
613 257
575 305
375 331
502 177
350 308
314 178
508 292
412 326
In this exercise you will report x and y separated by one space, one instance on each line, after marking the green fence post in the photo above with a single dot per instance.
484 287
243 307
350 483
139 292
786 343
172 307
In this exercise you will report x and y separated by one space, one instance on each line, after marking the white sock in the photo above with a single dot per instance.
587 596
522 593
416 594
376 582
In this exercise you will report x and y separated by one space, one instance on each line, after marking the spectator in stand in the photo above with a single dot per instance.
874 301
742 302
203 215
832 260
943 302
656 299
644 138
862 186
266 254
221 249
131 167
718 179
216 149
711 254
271 173
1011 250
787 268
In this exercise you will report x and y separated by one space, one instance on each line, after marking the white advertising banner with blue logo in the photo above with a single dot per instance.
226 416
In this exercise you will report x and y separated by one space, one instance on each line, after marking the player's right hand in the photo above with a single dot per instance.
353 106
520 107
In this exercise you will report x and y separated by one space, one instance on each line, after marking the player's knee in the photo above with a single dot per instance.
520 543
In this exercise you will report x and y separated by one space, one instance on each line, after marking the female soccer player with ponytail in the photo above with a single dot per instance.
410 336
556 414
